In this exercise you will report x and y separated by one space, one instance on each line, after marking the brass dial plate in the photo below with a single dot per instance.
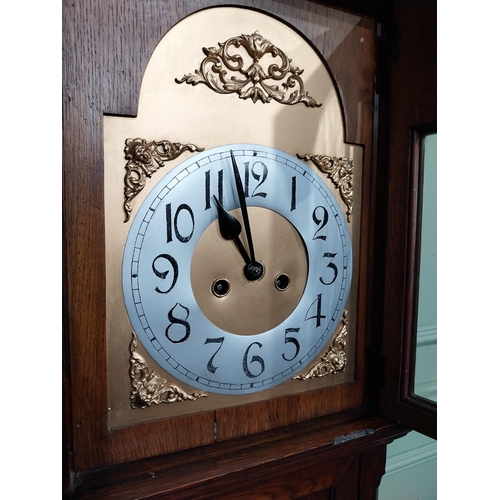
250 307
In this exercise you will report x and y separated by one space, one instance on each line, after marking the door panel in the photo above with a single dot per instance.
413 107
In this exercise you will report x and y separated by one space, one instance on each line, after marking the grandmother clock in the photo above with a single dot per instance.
229 193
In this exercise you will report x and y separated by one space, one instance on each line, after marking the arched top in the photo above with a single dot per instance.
229 74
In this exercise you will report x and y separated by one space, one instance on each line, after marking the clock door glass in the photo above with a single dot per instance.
185 320
425 357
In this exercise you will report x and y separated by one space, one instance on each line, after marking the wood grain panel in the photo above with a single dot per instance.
371 470
289 462
319 495
348 488
238 421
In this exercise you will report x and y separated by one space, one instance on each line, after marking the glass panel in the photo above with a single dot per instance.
425 383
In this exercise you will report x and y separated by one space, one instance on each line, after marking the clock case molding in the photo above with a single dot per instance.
360 418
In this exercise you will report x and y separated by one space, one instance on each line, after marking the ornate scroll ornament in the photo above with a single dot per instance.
340 171
238 66
148 388
143 160
334 360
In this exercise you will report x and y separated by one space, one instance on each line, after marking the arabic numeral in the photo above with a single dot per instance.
174 223
318 316
179 329
220 188
332 266
291 340
259 174
210 365
255 359
320 218
161 266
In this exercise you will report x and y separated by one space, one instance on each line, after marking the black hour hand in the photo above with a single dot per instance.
230 229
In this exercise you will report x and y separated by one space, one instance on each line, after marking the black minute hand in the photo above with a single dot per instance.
243 206
253 270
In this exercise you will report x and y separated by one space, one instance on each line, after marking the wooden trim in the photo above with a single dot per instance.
274 464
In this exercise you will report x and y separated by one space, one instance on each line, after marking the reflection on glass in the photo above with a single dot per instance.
426 359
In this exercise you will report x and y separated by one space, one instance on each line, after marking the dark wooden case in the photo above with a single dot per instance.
328 444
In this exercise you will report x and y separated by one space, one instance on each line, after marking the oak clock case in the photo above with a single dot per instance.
187 330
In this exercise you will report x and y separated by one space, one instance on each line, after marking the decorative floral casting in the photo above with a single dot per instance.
340 171
228 69
148 388
143 160
334 360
